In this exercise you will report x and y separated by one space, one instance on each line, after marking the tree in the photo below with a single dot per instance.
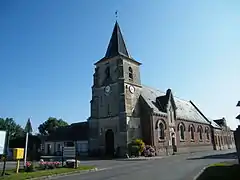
28 127
50 126
10 125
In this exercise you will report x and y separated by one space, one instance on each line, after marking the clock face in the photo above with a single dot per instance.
107 89
131 89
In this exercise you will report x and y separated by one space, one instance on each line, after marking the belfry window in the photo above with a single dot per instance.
130 73
107 72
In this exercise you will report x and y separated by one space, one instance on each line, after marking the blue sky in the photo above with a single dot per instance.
48 48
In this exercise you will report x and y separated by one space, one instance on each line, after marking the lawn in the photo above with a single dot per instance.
29 175
221 171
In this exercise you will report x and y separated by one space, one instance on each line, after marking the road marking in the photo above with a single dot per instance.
199 173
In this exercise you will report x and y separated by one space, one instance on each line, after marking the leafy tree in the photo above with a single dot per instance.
10 125
50 126
28 127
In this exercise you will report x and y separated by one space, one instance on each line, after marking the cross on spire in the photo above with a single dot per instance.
116 14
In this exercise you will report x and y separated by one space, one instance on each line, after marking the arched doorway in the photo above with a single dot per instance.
109 142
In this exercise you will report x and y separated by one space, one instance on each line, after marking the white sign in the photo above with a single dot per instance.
69 152
2 141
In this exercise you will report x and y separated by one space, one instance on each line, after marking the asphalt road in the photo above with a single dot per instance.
179 167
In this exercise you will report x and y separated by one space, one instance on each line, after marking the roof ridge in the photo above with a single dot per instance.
165 93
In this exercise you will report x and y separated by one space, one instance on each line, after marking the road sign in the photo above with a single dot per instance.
2 141
69 152
18 153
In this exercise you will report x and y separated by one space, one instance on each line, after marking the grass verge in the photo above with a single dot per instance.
37 174
221 171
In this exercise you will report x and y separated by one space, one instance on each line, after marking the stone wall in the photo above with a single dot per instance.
195 148
196 141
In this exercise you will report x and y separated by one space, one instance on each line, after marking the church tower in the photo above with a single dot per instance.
115 118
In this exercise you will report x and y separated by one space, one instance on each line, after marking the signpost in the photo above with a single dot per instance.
70 152
18 153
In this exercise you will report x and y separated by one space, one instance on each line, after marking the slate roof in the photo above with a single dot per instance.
75 132
185 110
238 104
116 45
238 117
214 124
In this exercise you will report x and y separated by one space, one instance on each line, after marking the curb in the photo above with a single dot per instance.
143 159
199 173
65 174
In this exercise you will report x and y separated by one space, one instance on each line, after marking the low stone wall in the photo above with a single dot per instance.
164 151
193 149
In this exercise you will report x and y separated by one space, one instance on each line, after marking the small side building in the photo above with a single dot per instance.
74 134
223 135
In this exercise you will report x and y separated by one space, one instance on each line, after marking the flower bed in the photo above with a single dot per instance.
49 165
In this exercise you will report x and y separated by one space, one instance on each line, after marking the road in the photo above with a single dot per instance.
179 167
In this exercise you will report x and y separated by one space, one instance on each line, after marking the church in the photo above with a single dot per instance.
124 109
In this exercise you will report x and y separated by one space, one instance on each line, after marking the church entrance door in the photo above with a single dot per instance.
109 143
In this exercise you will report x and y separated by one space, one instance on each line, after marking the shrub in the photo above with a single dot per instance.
29 167
136 147
148 151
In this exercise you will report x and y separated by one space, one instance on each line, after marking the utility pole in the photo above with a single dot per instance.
25 150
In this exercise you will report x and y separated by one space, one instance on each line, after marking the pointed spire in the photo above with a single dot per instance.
28 127
116 45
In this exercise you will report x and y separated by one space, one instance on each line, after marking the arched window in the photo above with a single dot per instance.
181 129
200 131
192 132
130 73
161 130
161 126
181 132
207 133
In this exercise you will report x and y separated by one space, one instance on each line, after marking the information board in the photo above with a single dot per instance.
69 152
2 141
